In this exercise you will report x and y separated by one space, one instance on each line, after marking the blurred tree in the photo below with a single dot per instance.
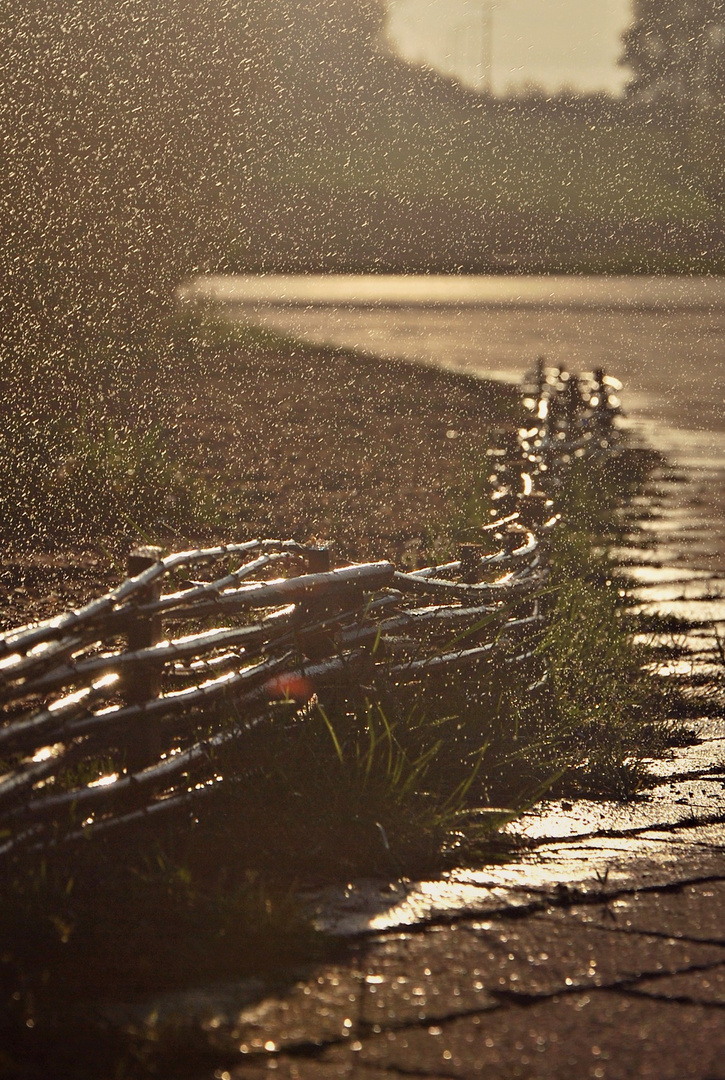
676 51
126 129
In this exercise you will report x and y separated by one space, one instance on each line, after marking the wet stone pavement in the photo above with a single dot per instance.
618 982
599 952
600 957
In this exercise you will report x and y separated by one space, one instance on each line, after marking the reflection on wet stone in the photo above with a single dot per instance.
694 912
469 965
418 977
316 1011
552 995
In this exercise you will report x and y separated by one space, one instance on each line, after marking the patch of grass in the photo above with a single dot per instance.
609 710
362 784
597 691
81 482
89 458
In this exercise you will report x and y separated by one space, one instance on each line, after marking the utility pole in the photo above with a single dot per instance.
485 76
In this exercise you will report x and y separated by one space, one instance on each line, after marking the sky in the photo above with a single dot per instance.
512 43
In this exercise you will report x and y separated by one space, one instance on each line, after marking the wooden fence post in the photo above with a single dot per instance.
469 556
143 746
316 646
540 377
318 560
533 510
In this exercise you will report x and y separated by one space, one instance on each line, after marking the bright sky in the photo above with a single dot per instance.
552 43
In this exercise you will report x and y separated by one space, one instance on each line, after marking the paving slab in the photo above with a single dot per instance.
489 995
552 953
565 869
602 1035
411 978
369 906
626 982
469 966
709 611
701 587
693 987
671 803
692 912
705 757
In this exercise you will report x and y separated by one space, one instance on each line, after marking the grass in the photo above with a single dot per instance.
368 784
93 450
120 924
84 481
90 458
607 707
488 190
514 161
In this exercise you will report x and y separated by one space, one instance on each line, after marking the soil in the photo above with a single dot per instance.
368 454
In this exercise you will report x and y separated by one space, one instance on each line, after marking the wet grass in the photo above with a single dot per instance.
507 188
93 451
112 923
89 481
90 459
226 430
606 706
329 443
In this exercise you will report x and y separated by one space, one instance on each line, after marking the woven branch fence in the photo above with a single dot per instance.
183 659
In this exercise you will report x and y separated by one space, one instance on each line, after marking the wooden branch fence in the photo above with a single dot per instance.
119 681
